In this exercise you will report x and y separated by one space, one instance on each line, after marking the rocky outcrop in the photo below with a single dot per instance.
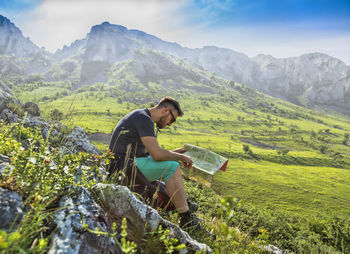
5 95
317 78
273 249
78 141
11 209
6 99
5 166
12 41
119 203
71 236
32 108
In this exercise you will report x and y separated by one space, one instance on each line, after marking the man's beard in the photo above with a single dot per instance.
161 123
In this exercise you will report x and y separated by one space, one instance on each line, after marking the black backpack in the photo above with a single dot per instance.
124 171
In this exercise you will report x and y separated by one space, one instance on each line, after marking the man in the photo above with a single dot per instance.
134 137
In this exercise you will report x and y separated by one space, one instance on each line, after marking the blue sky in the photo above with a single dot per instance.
282 28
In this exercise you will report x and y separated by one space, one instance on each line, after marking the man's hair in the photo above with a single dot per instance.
170 103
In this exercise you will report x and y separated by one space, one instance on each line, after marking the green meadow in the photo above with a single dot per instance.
295 159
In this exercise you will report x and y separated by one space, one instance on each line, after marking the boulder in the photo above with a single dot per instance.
11 209
119 203
38 124
75 210
78 141
4 158
32 108
273 249
5 167
9 117
5 95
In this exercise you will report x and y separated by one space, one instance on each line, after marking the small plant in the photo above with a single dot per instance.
56 115
247 149
126 246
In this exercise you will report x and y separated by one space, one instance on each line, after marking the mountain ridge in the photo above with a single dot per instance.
312 80
13 41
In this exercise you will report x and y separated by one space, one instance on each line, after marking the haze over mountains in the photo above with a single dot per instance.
314 80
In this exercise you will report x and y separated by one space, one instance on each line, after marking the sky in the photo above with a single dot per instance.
281 28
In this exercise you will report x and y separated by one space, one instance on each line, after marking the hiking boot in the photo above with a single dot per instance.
190 222
192 206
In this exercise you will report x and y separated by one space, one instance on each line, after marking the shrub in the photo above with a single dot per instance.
56 115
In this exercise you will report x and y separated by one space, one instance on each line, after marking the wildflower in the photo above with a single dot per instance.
65 169
96 157
32 160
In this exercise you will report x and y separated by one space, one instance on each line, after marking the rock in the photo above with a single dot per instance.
5 167
11 209
12 40
9 117
120 203
78 141
77 209
318 77
5 95
273 249
4 158
32 108
44 127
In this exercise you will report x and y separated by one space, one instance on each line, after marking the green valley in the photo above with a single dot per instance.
294 159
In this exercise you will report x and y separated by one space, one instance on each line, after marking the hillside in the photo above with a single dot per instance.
289 166
313 80
282 158
297 141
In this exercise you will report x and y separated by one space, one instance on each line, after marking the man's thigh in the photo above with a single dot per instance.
156 170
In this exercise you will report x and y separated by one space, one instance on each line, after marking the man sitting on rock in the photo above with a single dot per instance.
134 140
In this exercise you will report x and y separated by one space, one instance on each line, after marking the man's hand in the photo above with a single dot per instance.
187 161
180 150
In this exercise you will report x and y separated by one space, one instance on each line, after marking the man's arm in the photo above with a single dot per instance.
180 150
160 154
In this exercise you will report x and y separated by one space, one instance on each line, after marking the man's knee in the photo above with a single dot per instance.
174 169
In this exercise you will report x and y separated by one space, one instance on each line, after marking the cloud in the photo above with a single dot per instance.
55 23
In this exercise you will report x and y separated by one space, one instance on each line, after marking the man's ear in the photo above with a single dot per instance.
165 111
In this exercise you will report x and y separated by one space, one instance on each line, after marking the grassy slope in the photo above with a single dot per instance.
303 181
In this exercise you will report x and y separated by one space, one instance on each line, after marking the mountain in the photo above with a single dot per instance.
311 79
12 40
314 80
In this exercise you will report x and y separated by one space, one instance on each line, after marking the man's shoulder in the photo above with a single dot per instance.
140 114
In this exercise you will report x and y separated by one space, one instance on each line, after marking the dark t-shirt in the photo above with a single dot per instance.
129 130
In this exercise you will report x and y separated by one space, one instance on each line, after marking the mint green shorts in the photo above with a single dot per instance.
156 170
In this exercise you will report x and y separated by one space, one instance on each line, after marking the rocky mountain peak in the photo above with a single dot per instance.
107 27
5 21
12 40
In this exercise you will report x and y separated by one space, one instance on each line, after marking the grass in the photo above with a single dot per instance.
304 190
305 181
